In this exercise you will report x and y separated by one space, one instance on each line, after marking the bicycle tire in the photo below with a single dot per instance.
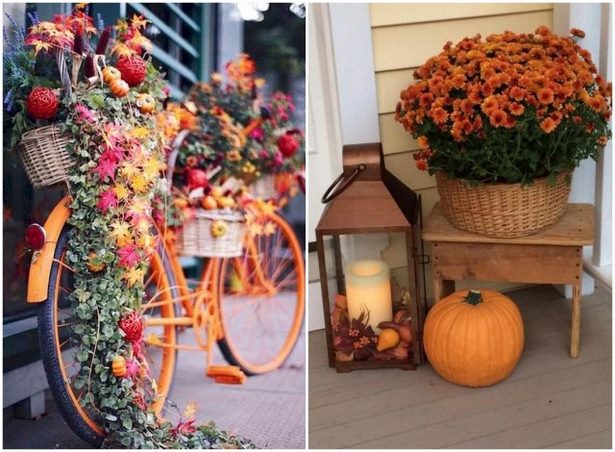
49 352
225 344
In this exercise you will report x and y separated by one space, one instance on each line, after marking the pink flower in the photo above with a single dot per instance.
107 200
132 368
84 114
258 134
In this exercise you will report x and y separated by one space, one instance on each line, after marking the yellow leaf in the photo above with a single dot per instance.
153 339
269 228
121 191
120 49
121 233
190 410
138 21
134 276
139 183
256 229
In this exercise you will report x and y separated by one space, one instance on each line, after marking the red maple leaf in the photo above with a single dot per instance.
107 200
128 256
105 168
113 154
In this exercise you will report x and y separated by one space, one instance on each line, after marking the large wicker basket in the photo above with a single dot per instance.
503 210
45 157
264 188
196 237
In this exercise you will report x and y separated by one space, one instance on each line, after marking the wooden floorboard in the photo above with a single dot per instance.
536 407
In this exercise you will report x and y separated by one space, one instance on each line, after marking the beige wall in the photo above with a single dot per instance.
404 37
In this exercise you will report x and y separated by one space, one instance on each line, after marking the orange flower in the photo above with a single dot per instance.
439 115
422 142
548 125
595 102
576 32
546 96
490 103
602 140
517 93
516 109
498 118
421 165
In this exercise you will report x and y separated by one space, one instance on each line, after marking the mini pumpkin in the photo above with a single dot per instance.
95 264
119 88
474 338
146 103
219 228
388 338
111 73
118 366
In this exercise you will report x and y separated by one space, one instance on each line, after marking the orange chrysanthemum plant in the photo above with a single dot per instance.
510 108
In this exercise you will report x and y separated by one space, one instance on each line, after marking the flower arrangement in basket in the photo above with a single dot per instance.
503 122
105 111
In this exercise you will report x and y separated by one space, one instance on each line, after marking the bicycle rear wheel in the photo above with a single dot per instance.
261 297
57 341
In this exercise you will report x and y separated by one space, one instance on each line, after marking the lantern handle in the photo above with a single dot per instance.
343 183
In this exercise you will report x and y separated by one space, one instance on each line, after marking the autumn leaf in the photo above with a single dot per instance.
139 183
120 232
138 21
190 410
107 201
121 191
134 276
128 256
121 50
105 169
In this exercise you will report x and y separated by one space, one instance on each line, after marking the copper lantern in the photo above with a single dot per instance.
368 199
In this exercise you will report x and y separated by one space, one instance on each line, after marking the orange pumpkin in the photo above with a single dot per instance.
146 103
111 73
119 87
474 338
118 366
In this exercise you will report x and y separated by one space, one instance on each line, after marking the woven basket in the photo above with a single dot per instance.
503 210
196 238
45 157
264 188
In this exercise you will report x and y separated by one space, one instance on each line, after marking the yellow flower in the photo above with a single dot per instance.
139 132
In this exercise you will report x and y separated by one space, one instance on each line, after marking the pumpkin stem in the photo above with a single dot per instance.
474 297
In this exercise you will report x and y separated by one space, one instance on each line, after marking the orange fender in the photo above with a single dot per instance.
40 268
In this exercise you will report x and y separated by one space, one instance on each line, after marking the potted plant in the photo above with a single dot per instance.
502 123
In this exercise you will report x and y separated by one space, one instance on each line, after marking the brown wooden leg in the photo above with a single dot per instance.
575 327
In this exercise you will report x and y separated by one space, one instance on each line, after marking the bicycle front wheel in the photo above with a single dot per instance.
261 297
59 343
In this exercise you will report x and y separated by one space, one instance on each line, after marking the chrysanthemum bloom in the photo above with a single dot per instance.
489 105
421 165
498 118
516 109
546 96
548 125
439 115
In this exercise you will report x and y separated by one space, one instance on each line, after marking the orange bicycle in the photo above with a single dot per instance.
251 305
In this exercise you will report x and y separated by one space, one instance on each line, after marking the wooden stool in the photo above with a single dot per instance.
553 256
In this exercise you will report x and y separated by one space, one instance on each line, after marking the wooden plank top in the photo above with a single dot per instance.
575 228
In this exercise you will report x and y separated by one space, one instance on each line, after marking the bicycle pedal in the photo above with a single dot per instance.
227 374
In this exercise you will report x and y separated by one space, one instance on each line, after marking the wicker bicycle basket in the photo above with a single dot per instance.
197 237
503 210
44 156
264 188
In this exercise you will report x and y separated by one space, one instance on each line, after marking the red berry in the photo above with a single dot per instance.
288 144
197 178
42 103
132 69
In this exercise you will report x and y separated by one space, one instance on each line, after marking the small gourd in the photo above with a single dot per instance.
218 228
111 73
387 339
146 103
119 88
474 338
119 366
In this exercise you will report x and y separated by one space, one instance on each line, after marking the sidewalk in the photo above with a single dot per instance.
269 409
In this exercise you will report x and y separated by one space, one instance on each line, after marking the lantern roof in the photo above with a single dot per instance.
374 201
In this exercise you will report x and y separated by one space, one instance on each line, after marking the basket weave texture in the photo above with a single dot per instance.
44 156
264 188
196 238
503 210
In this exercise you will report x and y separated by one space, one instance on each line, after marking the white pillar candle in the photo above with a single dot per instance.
368 289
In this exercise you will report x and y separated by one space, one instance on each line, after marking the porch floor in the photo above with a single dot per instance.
549 401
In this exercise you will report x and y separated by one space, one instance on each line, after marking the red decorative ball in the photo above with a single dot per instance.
196 178
288 144
42 103
132 324
132 69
